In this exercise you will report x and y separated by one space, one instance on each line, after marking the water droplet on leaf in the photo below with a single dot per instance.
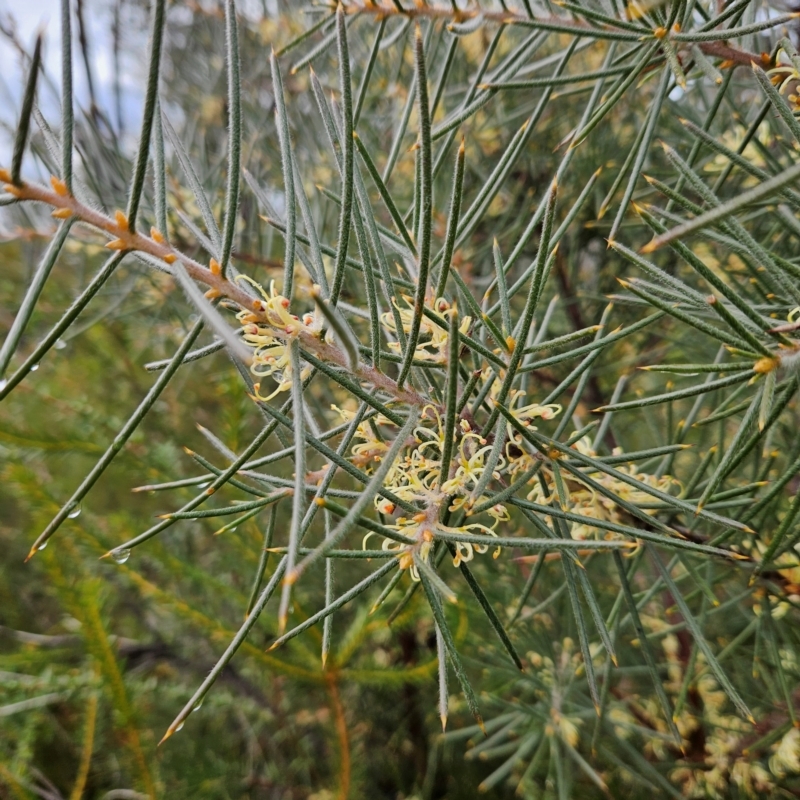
76 512
197 707
34 367
121 555
42 546
180 727
60 344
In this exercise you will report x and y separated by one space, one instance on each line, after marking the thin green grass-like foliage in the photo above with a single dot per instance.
447 372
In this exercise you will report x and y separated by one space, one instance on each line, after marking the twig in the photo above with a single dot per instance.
382 9
67 205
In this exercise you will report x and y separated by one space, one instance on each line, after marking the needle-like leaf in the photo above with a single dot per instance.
24 124
150 104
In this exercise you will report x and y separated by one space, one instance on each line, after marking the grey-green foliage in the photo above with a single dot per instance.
473 181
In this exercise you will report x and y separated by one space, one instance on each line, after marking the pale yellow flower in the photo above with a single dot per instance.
271 356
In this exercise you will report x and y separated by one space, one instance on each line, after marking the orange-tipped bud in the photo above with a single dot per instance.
5 176
214 266
59 187
61 213
157 236
121 220
765 365
116 244
9 188
660 32
170 258
213 293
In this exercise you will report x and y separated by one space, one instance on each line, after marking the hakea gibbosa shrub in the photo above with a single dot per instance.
524 334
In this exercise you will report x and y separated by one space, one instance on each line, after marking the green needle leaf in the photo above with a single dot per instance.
455 659
426 209
282 124
24 124
119 440
150 103
697 634
234 135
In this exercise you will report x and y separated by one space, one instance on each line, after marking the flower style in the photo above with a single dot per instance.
784 75
534 411
423 530
587 502
520 460
433 342
417 528
372 448
416 478
271 356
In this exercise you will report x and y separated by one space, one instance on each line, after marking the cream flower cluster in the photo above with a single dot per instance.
271 354
416 478
434 339
416 475
587 502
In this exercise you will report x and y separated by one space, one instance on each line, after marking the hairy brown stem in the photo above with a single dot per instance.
220 286
386 8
